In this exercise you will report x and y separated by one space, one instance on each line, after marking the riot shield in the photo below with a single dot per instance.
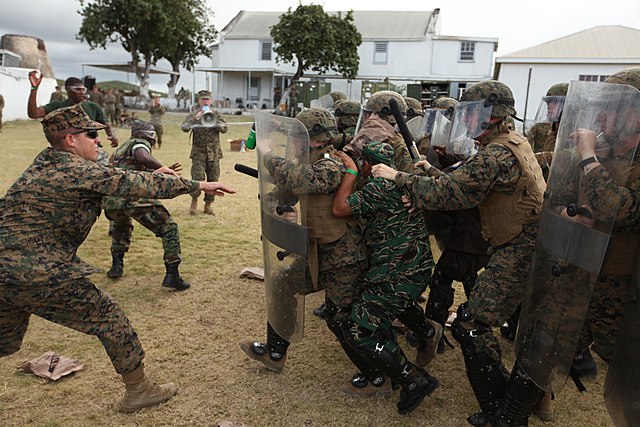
572 236
550 109
415 126
325 101
622 385
285 240
454 136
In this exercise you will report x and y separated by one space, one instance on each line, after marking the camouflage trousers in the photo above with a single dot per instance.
202 170
111 115
500 288
285 293
77 304
605 314
155 219
159 131
373 313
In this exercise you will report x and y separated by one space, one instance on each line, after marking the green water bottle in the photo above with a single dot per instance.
251 139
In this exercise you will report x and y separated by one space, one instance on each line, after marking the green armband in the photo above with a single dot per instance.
352 172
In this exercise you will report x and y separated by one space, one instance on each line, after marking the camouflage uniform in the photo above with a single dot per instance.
97 97
504 180
347 113
156 121
44 217
110 108
205 151
341 259
148 212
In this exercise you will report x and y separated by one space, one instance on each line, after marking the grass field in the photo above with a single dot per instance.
191 337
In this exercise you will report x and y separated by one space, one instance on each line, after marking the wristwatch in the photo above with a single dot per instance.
588 161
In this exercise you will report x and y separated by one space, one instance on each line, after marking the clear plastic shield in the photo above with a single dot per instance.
440 137
550 109
416 127
572 236
325 101
285 240
622 385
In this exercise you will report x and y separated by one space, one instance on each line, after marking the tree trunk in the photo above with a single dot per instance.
143 78
173 81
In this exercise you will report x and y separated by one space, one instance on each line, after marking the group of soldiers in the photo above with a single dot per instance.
542 236
349 195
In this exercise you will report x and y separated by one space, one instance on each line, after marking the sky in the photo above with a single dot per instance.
517 25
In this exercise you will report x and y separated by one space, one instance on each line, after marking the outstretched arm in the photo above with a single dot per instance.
33 111
340 207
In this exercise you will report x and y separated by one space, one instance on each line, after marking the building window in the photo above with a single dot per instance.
591 78
254 89
380 50
265 51
467 50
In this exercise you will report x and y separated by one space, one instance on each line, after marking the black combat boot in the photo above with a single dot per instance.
416 383
521 397
585 365
117 265
320 311
172 278
271 354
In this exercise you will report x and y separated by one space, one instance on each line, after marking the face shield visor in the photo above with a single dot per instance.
550 109
470 119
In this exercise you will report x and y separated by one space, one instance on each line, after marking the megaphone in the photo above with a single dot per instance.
209 119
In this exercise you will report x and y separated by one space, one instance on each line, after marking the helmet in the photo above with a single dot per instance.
414 107
494 93
347 112
319 122
337 95
379 103
444 103
629 76
558 89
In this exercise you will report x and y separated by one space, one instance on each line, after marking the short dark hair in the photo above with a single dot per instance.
73 81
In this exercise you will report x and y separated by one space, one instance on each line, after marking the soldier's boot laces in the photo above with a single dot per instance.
362 385
117 265
172 278
193 209
208 209
141 392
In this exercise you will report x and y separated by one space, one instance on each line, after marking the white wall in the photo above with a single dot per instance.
447 65
15 88
405 59
543 76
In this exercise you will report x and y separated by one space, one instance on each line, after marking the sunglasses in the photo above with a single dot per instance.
91 133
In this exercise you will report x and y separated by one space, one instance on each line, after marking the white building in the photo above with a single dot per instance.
399 47
589 55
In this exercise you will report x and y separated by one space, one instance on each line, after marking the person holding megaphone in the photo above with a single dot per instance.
205 125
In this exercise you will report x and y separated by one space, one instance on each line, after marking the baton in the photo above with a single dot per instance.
246 170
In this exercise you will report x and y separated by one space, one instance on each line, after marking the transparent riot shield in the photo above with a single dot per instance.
622 385
325 101
415 126
285 240
456 137
550 109
573 236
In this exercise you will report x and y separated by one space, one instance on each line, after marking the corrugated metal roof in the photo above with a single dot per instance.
384 25
604 42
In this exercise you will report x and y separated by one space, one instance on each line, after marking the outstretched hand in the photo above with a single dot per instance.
165 170
216 188
176 167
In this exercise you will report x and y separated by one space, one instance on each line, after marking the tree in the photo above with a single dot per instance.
317 41
192 37
149 30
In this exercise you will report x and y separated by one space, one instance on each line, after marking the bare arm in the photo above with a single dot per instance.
340 207
33 111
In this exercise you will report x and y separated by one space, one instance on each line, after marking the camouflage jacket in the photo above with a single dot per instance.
156 114
110 101
493 168
322 176
397 241
48 212
124 158
537 136
206 140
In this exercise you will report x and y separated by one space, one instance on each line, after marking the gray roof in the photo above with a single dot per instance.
604 42
378 25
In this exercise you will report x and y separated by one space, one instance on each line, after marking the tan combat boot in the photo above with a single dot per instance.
361 386
193 209
428 348
140 392
544 408
208 209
